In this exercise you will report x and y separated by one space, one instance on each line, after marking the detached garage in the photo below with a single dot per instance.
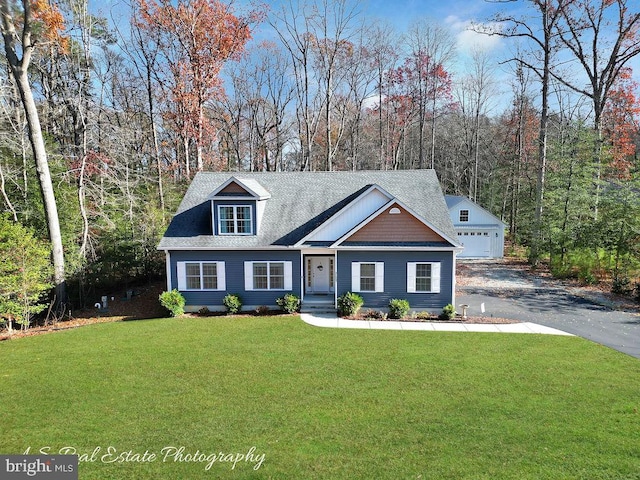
479 231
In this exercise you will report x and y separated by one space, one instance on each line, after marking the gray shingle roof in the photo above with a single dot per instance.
299 203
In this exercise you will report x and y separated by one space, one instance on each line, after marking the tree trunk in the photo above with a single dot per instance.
44 177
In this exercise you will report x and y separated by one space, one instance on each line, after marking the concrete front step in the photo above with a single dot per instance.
318 308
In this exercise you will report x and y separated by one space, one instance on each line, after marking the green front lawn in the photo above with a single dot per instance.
320 403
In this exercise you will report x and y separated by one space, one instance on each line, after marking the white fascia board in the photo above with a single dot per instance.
381 210
317 251
344 209
239 181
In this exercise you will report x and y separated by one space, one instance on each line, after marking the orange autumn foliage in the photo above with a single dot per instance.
49 23
196 37
620 124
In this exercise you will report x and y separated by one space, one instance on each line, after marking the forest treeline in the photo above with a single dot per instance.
128 112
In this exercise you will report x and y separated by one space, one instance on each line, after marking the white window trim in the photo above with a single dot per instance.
235 220
355 277
248 276
411 277
182 276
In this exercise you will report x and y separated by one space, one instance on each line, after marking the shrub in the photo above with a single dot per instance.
376 314
262 310
232 302
448 312
290 303
173 301
204 311
25 273
349 303
423 316
398 308
621 286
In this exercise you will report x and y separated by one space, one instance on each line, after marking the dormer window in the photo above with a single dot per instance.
235 220
237 207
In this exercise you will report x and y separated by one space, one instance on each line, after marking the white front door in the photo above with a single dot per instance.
319 274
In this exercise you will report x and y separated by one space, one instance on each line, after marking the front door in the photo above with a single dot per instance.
319 274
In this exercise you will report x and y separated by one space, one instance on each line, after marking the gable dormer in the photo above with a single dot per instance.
237 207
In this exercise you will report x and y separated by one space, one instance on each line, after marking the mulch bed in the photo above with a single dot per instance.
143 304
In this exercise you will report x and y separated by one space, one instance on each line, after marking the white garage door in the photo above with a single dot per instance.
476 243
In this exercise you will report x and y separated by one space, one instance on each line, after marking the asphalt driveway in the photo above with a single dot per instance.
509 291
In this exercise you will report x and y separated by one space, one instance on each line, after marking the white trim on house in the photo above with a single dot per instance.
287 272
236 221
181 277
378 277
454 278
252 187
167 257
411 277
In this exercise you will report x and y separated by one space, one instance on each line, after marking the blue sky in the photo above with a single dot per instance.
457 15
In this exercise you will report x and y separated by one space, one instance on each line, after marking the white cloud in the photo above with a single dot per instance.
469 40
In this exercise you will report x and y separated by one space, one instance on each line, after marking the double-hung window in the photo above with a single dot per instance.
367 276
235 220
464 215
201 276
268 275
423 277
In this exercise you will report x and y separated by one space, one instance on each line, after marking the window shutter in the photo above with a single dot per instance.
222 279
411 277
379 276
355 276
182 275
435 277
288 275
248 276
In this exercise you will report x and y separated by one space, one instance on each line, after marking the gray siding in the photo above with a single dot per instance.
234 272
395 278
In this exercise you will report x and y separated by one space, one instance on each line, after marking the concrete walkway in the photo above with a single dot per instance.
331 321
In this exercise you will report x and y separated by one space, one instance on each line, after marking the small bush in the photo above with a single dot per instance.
448 312
262 310
204 311
398 308
173 301
587 277
423 316
349 304
621 286
375 314
233 303
290 303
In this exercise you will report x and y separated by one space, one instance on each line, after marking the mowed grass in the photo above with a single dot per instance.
320 403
